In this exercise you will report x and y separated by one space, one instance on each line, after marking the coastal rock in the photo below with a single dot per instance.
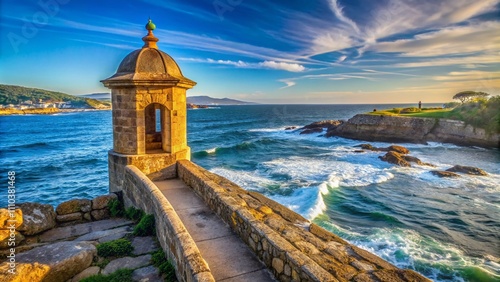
290 128
127 262
36 218
440 173
397 149
5 235
393 148
55 262
69 217
328 124
373 127
312 130
100 214
468 170
6 220
367 147
416 160
395 158
73 206
101 202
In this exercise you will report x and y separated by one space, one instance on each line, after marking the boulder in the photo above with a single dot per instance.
393 148
5 235
72 206
93 270
100 214
290 128
468 170
127 262
397 149
36 218
368 147
395 158
312 130
416 160
6 218
69 217
440 173
55 262
101 202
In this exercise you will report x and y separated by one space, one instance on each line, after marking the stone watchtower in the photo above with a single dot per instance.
148 94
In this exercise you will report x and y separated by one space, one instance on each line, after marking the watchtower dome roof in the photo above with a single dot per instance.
148 65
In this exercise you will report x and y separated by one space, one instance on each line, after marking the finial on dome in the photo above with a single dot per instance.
150 40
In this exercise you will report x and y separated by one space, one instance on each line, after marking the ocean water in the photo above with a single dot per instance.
446 229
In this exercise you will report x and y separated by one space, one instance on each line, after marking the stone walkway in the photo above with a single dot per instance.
227 256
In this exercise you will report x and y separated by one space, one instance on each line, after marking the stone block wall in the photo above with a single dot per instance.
289 245
139 191
148 164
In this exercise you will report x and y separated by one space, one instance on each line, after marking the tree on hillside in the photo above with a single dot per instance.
466 96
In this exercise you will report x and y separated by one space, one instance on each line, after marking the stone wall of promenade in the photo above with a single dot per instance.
293 248
139 191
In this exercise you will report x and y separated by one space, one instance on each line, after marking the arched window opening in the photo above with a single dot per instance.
157 122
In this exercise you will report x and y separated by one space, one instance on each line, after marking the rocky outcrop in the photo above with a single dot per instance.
440 173
467 170
55 262
414 130
393 148
312 130
395 158
400 159
36 218
317 127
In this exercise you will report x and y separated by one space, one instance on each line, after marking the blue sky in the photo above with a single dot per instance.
282 51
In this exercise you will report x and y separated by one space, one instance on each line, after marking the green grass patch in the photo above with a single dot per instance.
116 208
115 248
121 275
145 227
134 214
164 265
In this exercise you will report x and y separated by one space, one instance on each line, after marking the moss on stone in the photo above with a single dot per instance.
115 248
145 227
121 275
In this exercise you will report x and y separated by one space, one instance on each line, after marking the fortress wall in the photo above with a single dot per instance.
293 248
139 191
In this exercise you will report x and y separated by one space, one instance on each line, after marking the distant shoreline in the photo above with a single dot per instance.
47 111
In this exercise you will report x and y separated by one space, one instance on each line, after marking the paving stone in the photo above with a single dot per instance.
147 274
127 262
114 236
144 245
103 233
81 229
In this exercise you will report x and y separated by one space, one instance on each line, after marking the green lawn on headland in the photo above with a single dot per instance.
482 113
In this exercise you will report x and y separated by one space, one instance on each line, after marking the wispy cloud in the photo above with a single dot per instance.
290 67
477 37
468 75
462 60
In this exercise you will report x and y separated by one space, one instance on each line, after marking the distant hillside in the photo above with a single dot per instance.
97 96
206 100
12 94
